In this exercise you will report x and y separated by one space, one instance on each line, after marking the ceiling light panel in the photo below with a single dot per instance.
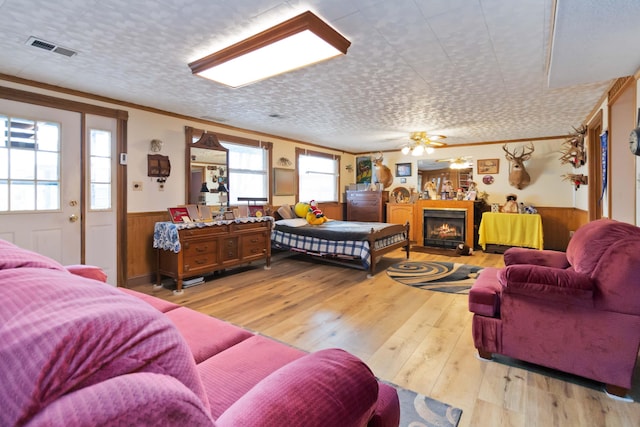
298 42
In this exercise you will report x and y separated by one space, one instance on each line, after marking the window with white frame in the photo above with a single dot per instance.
100 169
29 165
248 173
318 177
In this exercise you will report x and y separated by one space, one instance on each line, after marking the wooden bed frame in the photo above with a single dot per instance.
376 254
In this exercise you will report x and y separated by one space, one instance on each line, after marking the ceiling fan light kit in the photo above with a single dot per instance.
421 143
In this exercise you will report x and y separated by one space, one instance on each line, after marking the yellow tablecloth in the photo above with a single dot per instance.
511 229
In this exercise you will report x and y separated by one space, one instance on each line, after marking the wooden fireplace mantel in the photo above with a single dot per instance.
418 219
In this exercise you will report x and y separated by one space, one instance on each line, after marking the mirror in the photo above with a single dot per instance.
439 172
207 170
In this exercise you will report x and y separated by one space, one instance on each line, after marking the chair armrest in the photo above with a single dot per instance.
556 259
550 283
326 388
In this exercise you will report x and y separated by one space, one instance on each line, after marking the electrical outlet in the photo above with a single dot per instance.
137 185
571 233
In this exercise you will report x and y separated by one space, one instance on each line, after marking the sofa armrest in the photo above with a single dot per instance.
554 284
87 271
548 258
326 388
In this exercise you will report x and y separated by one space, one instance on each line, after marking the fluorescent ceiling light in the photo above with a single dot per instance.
296 43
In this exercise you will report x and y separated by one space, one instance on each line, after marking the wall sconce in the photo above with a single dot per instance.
295 43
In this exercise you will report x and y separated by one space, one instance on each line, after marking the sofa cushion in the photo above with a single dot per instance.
326 388
61 333
12 256
229 375
137 399
157 303
204 334
484 295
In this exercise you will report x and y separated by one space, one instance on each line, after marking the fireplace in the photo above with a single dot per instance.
444 228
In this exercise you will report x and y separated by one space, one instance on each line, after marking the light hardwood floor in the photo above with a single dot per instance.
418 339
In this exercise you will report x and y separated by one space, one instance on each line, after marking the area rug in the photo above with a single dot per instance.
417 410
451 277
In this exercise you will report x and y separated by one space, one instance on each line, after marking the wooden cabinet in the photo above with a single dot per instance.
401 213
367 205
213 247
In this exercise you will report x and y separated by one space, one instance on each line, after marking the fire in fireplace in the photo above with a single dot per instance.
444 228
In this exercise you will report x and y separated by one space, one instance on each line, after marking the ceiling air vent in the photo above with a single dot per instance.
51 47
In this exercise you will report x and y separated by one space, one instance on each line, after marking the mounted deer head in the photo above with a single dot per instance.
381 173
518 176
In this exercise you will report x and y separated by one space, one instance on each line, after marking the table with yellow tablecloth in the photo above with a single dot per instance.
511 229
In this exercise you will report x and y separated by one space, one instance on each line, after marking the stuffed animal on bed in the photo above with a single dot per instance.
301 209
315 215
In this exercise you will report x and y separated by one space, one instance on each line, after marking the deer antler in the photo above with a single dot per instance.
380 157
528 153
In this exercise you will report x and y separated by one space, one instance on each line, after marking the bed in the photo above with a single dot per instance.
352 243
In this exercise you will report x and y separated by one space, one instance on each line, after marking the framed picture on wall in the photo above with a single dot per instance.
284 182
488 166
403 169
363 170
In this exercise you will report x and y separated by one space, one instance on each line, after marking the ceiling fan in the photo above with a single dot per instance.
422 141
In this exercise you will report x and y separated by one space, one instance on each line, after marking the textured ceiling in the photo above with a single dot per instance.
473 70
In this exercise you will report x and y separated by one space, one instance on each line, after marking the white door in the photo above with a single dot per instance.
101 194
40 179
41 207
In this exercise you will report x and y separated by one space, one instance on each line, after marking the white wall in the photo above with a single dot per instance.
547 187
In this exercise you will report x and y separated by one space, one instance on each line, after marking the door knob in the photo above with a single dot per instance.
73 218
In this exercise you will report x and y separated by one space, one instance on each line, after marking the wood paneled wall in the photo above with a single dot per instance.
557 223
141 257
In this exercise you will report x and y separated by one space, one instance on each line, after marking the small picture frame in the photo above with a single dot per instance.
229 215
284 181
403 180
488 166
256 210
178 214
403 169
194 214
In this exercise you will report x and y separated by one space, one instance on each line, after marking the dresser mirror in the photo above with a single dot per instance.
207 170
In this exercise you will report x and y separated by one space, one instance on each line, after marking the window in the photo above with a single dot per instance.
248 175
100 169
317 176
29 165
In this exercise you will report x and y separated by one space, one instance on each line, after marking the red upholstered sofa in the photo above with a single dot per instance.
77 352
577 312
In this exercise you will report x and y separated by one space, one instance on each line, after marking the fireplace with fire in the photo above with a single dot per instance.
444 228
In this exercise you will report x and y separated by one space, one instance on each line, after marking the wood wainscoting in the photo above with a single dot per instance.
557 223
141 257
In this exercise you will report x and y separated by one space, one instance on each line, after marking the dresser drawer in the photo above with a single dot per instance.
253 245
229 249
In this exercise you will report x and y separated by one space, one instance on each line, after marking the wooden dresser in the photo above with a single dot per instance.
209 247
367 205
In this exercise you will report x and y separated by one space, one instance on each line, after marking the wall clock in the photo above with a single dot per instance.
634 141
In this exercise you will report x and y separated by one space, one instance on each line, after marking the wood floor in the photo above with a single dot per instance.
418 339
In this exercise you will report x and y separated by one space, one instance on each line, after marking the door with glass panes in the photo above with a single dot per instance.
41 174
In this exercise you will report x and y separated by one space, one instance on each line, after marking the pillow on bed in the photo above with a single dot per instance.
286 212
293 222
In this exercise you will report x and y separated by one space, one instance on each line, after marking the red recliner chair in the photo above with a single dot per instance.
577 312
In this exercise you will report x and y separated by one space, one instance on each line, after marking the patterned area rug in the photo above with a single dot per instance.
438 276
417 410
